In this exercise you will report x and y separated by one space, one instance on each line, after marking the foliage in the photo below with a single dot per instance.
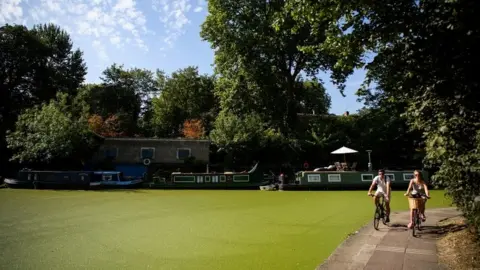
185 95
124 93
110 127
35 65
50 132
246 138
424 61
193 129
260 69
312 97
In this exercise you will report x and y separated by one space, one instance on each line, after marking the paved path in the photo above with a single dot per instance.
391 247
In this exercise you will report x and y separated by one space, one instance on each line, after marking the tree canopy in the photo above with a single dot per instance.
261 70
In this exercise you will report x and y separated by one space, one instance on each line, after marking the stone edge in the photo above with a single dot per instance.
349 237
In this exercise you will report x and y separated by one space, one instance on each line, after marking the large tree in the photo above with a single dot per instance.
50 132
312 98
124 94
35 65
260 68
425 53
185 95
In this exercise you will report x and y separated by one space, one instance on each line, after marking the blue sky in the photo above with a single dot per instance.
148 34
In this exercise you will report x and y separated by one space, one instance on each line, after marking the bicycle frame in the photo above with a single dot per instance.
379 212
416 220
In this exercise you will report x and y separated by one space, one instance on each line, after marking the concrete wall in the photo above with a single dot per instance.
129 150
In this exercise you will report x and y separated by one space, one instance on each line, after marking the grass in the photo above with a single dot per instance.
180 229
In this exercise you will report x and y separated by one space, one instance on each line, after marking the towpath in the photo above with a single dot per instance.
392 247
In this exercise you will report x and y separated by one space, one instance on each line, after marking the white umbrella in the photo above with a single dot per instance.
344 150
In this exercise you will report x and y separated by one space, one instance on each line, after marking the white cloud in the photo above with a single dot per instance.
106 23
173 15
103 22
101 50
10 11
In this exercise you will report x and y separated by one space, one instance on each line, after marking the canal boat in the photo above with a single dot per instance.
115 179
330 179
213 180
51 179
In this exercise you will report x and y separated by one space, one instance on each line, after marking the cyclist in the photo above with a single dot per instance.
419 190
383 189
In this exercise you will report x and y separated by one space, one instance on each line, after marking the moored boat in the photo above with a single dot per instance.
348 179
115 179
213 180
63 179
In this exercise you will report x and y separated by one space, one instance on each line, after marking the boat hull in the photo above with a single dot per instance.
252 179
169 185
121 184
347 180
15 183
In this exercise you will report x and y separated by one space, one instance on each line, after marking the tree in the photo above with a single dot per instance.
424 59
110 127
65 68
193 129
246 138
48 133
124 94
185 95
260 68
35 65
312 97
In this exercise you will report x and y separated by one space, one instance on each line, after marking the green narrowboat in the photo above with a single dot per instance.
225 180
348 179
61 179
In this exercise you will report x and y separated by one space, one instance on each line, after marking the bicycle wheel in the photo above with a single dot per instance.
376 218
384 216
414 219
418 222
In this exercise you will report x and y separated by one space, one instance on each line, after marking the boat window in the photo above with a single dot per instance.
367 177
314 178
222 178
391 176
407 176
334 178
111 152
147 152
207 178
29 177
183 153
106 177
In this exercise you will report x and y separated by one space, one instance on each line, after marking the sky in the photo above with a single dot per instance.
151 34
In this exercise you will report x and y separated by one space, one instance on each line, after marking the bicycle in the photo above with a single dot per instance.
416 220
379 212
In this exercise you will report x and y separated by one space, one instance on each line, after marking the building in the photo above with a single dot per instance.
137 156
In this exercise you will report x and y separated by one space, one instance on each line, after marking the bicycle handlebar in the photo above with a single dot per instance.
410 196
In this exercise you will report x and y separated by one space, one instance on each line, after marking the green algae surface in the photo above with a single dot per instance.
180 229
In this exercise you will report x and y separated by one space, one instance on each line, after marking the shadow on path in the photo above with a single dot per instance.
392 246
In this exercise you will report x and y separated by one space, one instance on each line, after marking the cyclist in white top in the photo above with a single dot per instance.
383 189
